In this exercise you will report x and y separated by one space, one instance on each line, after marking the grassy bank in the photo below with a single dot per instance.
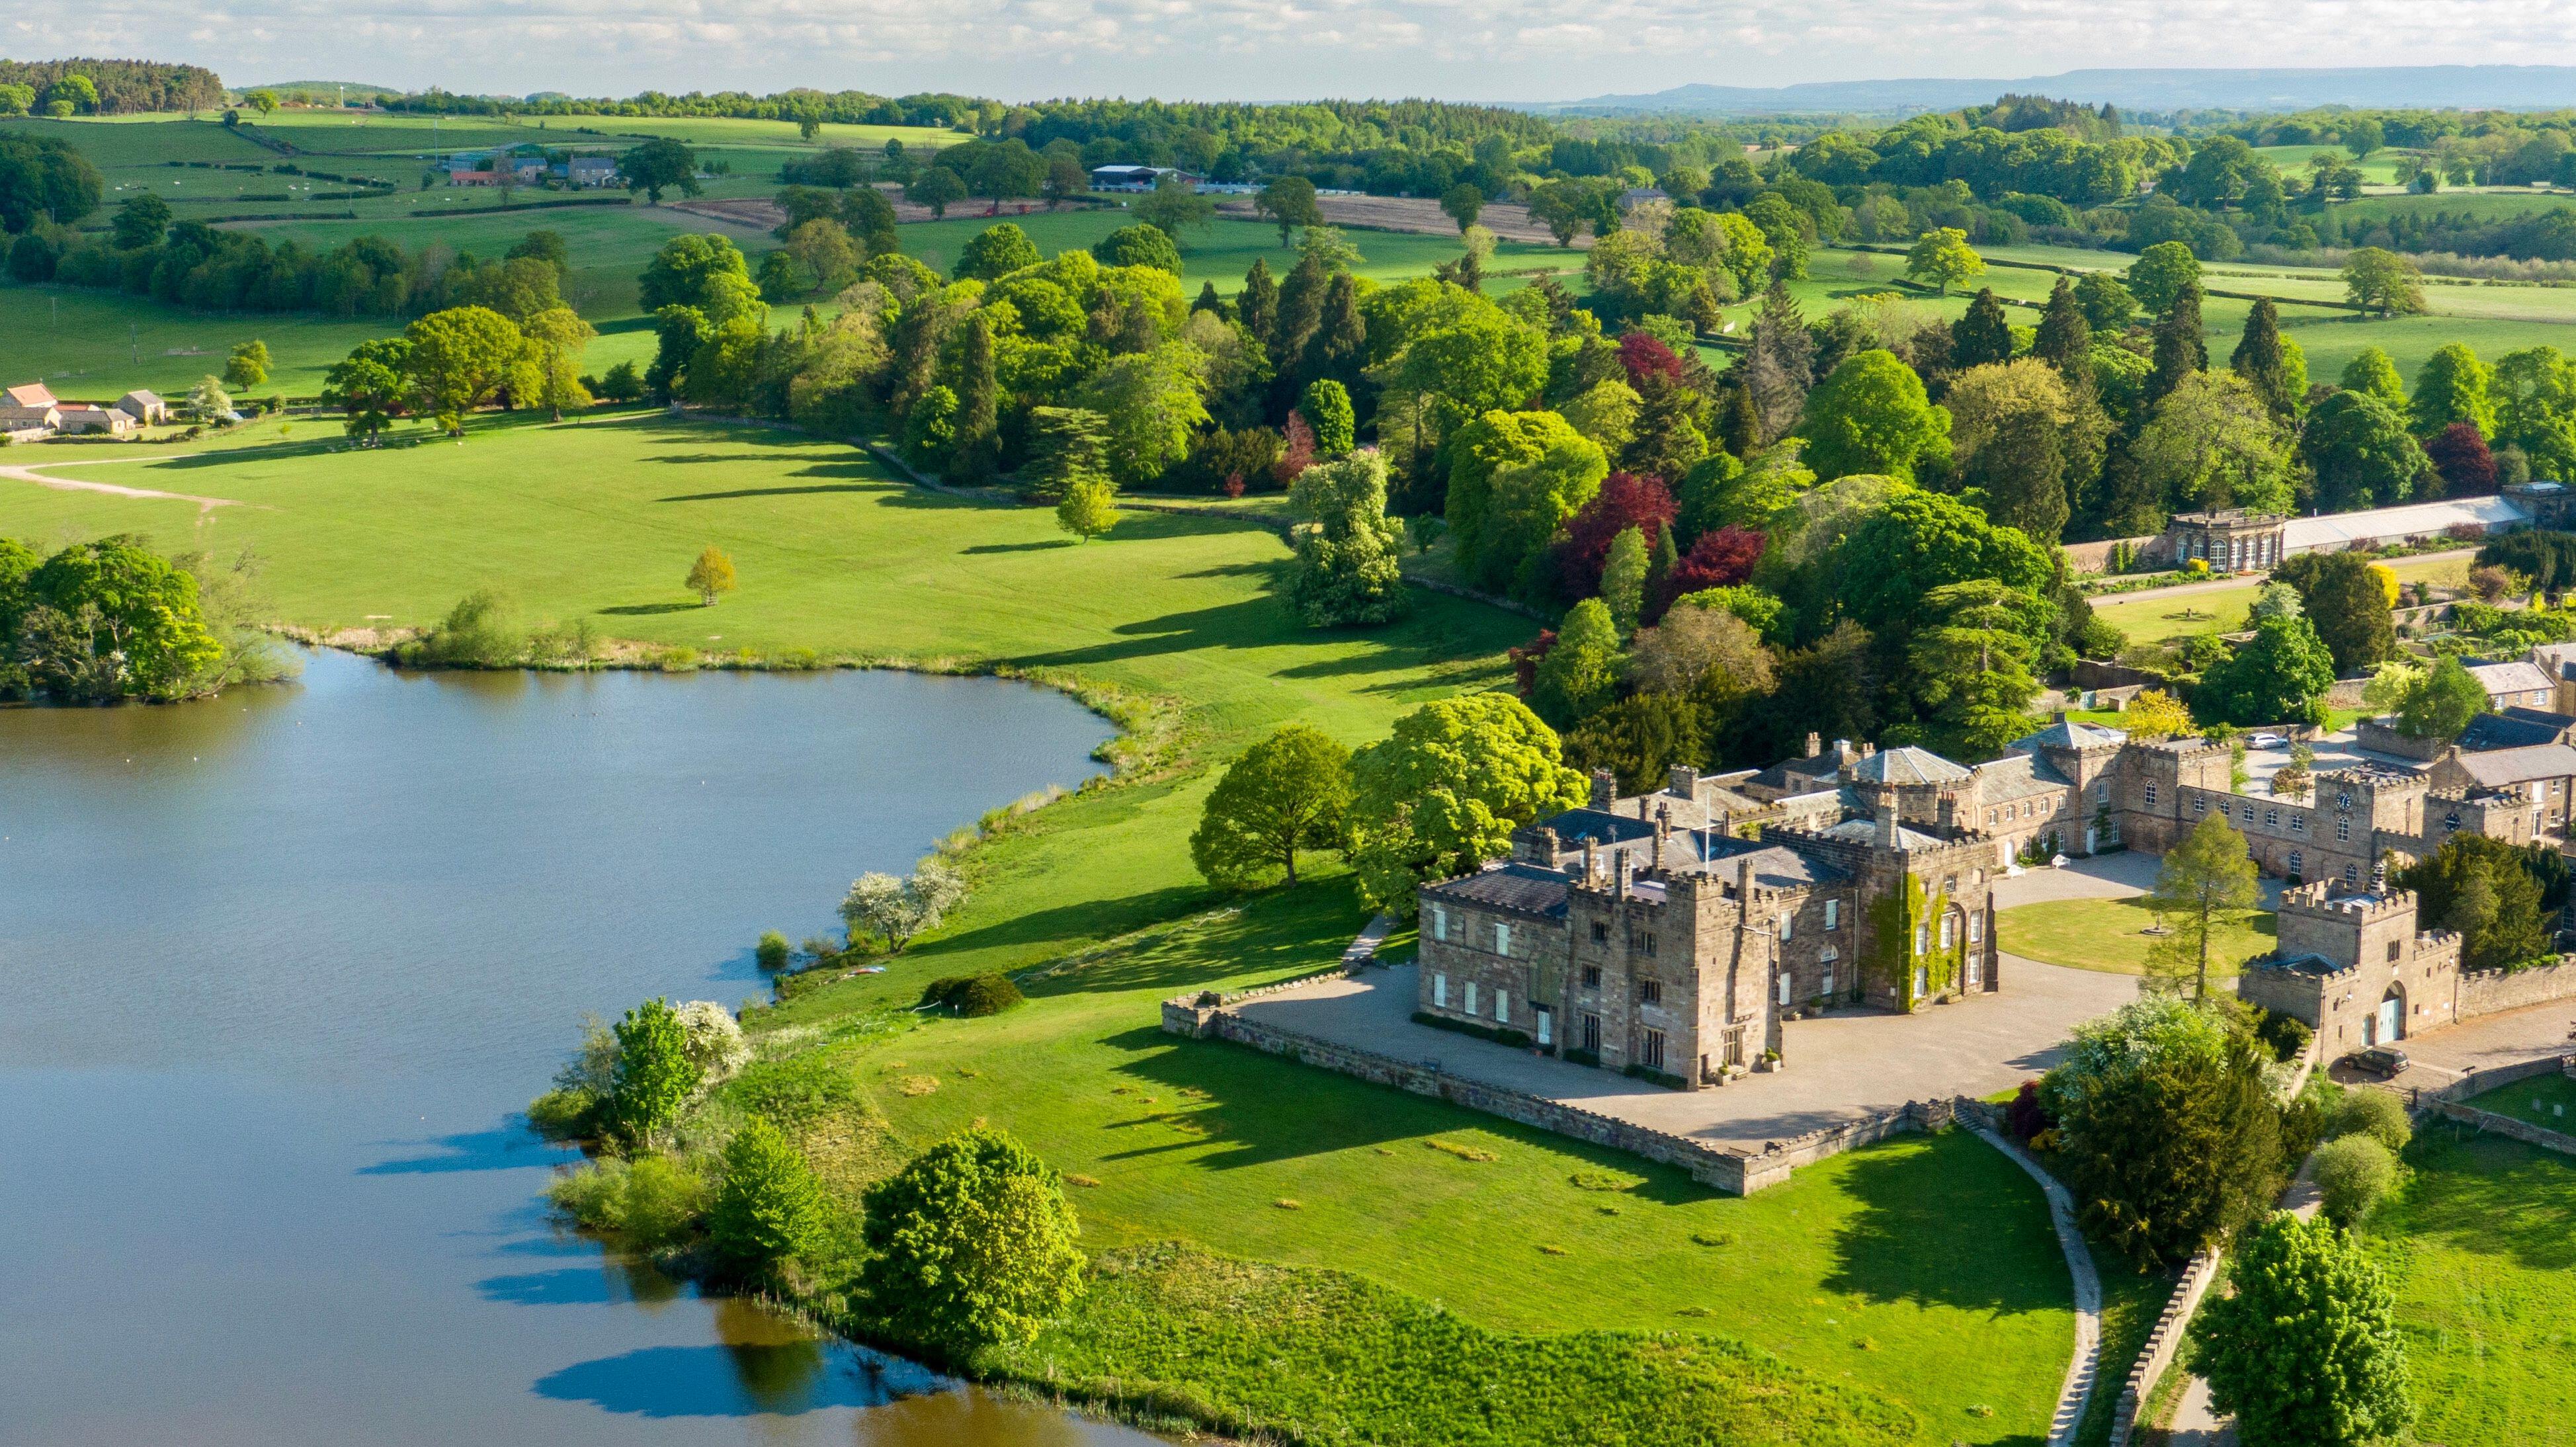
1855 1275
2481 1244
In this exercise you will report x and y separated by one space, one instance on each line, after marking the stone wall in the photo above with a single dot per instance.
1734 1171
2484 992
2450 1103
2380 738
2162 1344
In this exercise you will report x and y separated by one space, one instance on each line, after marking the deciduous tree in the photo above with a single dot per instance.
653 1076
2453 387
2304 1349
1285 794
711 576
2161 272
971 1244
1347 547
657 166
769 1208
1289 203
1943 258
1443 793
2383 281
1871 416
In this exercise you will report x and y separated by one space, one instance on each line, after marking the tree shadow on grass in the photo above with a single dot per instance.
1048 546
742 492
1091 920
1954 1224
647 610
1259 1108
2488 1196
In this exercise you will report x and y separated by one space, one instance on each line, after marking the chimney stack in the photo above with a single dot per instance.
1683 782
1663 831
1883 809
1591 864
1619 874
1605 789
1815 743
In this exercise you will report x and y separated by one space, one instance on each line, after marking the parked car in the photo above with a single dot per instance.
2380 1060
2268 741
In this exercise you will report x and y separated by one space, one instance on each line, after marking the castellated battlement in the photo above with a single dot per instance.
2326 900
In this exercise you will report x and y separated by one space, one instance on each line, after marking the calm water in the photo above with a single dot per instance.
277 969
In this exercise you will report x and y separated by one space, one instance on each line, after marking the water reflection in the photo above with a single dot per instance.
276 971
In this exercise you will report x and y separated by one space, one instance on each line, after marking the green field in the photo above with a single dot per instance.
1224 250
2110 935
2486 204
2481 1247
2547 1100
1854 1271
2379 170
2490 319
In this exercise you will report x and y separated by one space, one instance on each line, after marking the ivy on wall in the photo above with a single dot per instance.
1891 958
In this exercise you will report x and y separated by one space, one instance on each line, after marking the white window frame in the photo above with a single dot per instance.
1502 939
1784 987
1502 1007
1945 931
1976 929
1833 914
1922 938
1440 992
1785 929
1439 924
1471 997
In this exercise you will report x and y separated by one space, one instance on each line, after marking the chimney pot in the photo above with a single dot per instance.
1815 743
1605 788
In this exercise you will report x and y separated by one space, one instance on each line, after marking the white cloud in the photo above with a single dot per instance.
1522 49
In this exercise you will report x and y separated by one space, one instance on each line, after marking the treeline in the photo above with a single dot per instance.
848 107
189 263
117 87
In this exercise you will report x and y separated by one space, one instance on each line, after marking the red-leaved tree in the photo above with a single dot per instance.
1298 454
1718 559
2461 456
1645 355
1525 661
1624 501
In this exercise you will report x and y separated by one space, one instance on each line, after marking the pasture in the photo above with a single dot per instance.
1223 250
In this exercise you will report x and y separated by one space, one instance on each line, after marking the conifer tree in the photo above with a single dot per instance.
2262 359
1982 336
1208 300
1257 306
2180 348
1339 346
975 456
2065 339
1782 366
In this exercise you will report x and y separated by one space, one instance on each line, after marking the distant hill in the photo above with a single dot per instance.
2500 87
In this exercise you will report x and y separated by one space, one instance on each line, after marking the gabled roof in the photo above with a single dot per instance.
1865 831
2498 678
33 394
2514 728
2072 734
1907 765
2553 658
139 395
2500 767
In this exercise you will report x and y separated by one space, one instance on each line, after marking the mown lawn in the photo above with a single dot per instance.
2481 1246
2545 1100
1855 1271
2153 616
1860 1272
2108 935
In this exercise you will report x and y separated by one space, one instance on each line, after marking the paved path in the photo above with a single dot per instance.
2487 1042
2196 1421
1363 949
1839 1067
68 484
2086 1366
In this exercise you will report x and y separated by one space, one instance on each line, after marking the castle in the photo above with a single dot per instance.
1672 934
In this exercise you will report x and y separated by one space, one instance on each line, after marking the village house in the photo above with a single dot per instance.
29 412
77 418
144 407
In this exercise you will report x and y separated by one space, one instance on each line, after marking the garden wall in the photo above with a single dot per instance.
1734 1171
2162 1343
2484 992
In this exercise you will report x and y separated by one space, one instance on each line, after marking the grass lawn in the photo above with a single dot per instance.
2481 1246
2155 615
2108 935
1200 1143
1224 250
2546 1100
1855 1273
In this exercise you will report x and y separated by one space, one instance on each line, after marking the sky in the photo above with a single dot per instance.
1257 49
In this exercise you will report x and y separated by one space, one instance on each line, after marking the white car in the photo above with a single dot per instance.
2268 741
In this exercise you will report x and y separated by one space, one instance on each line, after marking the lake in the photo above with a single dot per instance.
277 970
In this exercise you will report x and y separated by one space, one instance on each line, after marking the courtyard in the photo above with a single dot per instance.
1838 1067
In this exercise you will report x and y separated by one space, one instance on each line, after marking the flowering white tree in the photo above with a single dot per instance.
898 909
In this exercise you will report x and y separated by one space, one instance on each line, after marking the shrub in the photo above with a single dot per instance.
715 1042
648 1203
771 952
565 1115
969 1245
653 1075
478 632
2027 1115
770 1207
2374 1113
2287 1035
972 996
2353 1173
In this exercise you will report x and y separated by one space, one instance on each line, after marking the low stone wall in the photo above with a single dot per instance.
2162 1344
2486 992
2095 557
1736 1172
2479 1082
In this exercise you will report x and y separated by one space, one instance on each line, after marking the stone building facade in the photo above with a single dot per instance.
1673 933
2352 964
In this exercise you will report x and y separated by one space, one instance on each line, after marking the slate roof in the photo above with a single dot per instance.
1796 776
1578 827
2553 658
2514 728
1907 765
1865 831
2072 734
1521 888
1775 866
2317 965
2499 767
2018 776
2502 678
